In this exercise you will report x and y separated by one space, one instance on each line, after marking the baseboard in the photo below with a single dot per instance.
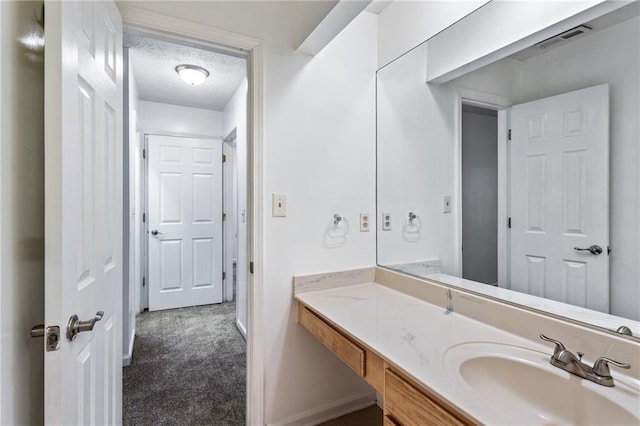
241 329
329 411
126 359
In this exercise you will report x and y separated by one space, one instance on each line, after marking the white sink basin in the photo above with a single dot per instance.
523 385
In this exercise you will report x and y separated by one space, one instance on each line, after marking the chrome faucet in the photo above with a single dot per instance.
567 361
623 329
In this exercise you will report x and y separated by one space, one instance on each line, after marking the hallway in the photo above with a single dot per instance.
188 367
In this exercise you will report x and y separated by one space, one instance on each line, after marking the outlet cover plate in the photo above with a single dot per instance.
386 221
365 224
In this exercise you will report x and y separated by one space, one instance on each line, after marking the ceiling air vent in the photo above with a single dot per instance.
562 37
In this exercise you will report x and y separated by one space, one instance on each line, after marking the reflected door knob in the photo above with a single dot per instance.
594 249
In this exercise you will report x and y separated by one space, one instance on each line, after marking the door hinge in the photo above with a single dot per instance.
40 18
608 250
52 336
509 135
509 223
224 216
251 267
144 281
224 158
144 217
144 153
224 275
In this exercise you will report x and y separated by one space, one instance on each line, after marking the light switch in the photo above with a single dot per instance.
279 206
446 204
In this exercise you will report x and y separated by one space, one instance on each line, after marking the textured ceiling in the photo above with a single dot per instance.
154 62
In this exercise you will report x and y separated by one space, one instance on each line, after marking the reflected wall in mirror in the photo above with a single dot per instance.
522 175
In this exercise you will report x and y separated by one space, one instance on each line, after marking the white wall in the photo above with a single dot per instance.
21 216
581 63
416 143
319 150
235 117
154 117
404 25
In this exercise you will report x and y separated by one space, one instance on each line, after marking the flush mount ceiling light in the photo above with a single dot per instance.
192 74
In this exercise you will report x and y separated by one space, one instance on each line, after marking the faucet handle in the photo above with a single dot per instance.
601 366
559 346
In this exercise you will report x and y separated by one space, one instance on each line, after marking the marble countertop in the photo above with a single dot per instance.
414 336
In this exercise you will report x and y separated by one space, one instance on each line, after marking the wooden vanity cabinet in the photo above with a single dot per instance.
404 403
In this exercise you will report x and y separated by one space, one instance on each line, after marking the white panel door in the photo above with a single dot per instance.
185 222
559 197
83 210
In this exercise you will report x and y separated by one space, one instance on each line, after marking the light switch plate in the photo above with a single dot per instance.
364 222
279 205
386 221
446 204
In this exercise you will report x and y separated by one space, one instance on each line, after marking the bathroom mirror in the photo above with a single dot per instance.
518 175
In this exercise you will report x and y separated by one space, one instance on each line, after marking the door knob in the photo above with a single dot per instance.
594 249
156 232
75 326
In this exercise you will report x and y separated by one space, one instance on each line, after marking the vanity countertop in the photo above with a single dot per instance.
414 336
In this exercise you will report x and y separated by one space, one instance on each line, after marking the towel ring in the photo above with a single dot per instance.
338 222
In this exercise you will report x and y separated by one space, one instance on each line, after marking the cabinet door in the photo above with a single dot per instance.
407 406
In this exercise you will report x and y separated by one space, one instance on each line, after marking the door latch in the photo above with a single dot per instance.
51 334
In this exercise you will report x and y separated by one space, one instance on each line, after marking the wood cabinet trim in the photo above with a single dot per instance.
390 421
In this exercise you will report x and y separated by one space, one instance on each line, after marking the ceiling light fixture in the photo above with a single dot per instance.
192 74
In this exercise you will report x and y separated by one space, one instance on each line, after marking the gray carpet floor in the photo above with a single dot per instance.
188 368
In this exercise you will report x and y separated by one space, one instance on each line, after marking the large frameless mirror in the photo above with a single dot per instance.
518 177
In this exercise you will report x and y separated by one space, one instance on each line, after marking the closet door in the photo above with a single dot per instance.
185 222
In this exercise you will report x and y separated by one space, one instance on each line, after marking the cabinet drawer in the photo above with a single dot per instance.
407 406
341 346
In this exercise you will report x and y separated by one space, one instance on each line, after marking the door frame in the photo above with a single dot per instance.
229 171
502 105
177 29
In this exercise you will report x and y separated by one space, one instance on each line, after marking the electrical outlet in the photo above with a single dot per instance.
279 205
386 221
446 204
364 222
